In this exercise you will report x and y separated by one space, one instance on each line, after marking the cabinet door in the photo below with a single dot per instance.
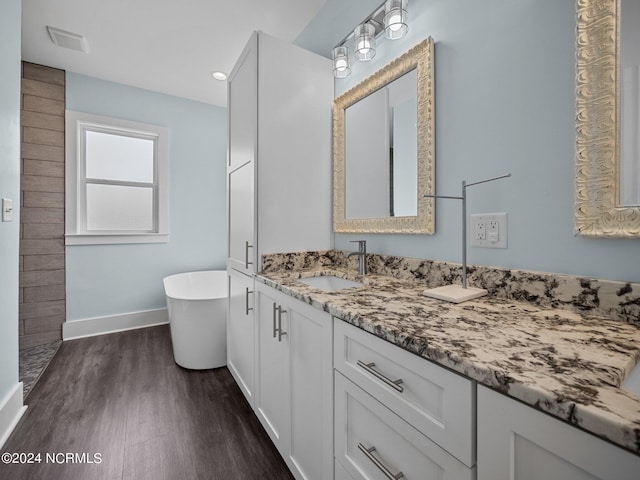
341 473
243 121
517 442
241 219
243 106
294 148
271 397
310 392
241 332
294 375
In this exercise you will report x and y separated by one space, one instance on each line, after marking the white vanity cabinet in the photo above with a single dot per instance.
294 381
279 198
279 157
518 442
396 412
241 332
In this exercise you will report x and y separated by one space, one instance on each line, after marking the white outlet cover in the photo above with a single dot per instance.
494 237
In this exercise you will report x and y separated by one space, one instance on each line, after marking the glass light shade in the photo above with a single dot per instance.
395 19
365 48
341 66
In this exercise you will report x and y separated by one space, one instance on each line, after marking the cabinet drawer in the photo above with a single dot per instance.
371 439
439 403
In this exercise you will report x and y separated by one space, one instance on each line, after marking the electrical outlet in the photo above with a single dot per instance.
493 235
489 230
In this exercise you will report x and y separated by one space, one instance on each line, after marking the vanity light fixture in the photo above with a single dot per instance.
365 46
391 17
395 19
341 64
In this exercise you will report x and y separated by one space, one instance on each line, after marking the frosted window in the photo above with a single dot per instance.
117 181
118 157
119 173
116 207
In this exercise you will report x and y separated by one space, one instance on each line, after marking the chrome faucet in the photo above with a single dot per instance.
362 256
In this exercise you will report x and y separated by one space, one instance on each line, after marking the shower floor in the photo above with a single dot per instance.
33 362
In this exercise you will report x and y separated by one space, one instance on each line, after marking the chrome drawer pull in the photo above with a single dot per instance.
395 384
246 300
368 452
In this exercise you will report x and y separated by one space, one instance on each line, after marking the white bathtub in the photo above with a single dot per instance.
197 317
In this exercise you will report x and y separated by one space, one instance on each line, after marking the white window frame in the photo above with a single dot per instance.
76 233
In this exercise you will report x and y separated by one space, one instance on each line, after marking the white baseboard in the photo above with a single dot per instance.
91 327
11 410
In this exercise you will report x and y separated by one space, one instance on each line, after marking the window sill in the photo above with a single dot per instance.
114 239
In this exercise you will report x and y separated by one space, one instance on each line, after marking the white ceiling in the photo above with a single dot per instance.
168 46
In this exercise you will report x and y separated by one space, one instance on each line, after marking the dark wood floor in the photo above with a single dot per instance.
122 396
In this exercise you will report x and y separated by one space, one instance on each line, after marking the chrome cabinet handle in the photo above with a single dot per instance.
246 300
275 328
368 452
395 384
277 321
280 332
246 254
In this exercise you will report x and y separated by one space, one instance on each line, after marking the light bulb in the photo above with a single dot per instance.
341 67
364 46
365 42
395 21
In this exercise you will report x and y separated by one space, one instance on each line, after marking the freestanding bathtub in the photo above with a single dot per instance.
197 318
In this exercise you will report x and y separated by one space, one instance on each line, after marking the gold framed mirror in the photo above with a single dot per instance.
602 209
386 195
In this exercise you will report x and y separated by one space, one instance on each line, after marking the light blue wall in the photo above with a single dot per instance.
504 83
333 22
114 279
10 19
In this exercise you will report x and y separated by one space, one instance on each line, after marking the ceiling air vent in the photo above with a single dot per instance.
69 40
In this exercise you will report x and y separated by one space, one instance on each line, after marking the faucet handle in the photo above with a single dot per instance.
362 245
362 256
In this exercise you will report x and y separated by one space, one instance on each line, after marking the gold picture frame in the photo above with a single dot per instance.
597 210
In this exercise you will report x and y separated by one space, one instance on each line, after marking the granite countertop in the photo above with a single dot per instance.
564 363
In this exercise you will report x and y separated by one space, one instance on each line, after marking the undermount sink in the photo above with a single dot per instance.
329 283
632 382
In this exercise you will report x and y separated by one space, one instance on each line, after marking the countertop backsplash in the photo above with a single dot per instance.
610 299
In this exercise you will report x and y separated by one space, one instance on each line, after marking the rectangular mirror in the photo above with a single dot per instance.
383 148
381 152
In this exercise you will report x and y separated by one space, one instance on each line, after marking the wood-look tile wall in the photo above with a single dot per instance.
42 277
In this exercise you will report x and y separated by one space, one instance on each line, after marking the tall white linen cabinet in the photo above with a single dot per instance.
279 163
278 180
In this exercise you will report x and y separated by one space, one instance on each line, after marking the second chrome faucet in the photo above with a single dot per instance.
362 256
